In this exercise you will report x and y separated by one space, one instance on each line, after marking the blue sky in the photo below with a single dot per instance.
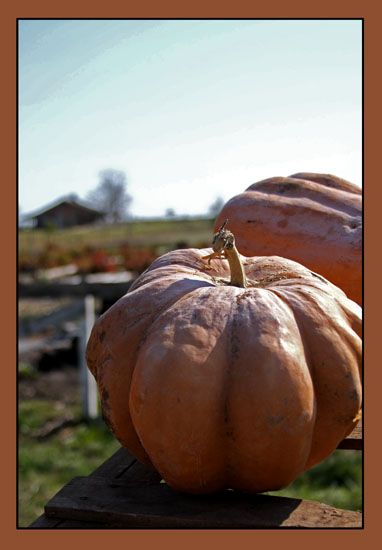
189 110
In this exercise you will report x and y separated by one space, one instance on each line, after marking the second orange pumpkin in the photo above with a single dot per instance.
314 219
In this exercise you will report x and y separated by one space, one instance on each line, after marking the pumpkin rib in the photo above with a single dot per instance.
295 443
308 359
100 347
232 349
100 352
340 427
328 180
152 371
307 355
329 200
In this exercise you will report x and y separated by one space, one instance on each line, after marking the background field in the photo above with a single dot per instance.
162 233
128 246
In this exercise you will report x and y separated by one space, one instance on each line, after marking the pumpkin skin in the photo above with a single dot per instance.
217 386
314 219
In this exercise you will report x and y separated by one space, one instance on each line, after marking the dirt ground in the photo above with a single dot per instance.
57 385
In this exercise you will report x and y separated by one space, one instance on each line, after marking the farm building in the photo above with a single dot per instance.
66 212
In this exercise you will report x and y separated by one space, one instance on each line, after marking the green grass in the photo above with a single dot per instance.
336 481
45 466
26 371
163 233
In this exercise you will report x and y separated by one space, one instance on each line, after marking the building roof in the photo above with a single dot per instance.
63 200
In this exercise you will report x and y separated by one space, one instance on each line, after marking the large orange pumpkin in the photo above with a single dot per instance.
242 385
314 219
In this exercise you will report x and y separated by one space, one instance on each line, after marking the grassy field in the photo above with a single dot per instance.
336 481
46 465
165 233
131 246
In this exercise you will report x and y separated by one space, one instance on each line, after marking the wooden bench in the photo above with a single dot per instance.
122 493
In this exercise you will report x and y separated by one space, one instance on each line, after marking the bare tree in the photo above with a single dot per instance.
110 195
216 206
170 213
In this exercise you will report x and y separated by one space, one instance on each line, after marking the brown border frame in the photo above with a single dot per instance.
60 539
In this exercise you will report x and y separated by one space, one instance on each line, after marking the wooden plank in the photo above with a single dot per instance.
95 499
44 522
354 440
138 475
115 466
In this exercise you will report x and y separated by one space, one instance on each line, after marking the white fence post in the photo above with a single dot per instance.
88 384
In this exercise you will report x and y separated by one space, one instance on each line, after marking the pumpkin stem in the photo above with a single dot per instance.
238 277
224 243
